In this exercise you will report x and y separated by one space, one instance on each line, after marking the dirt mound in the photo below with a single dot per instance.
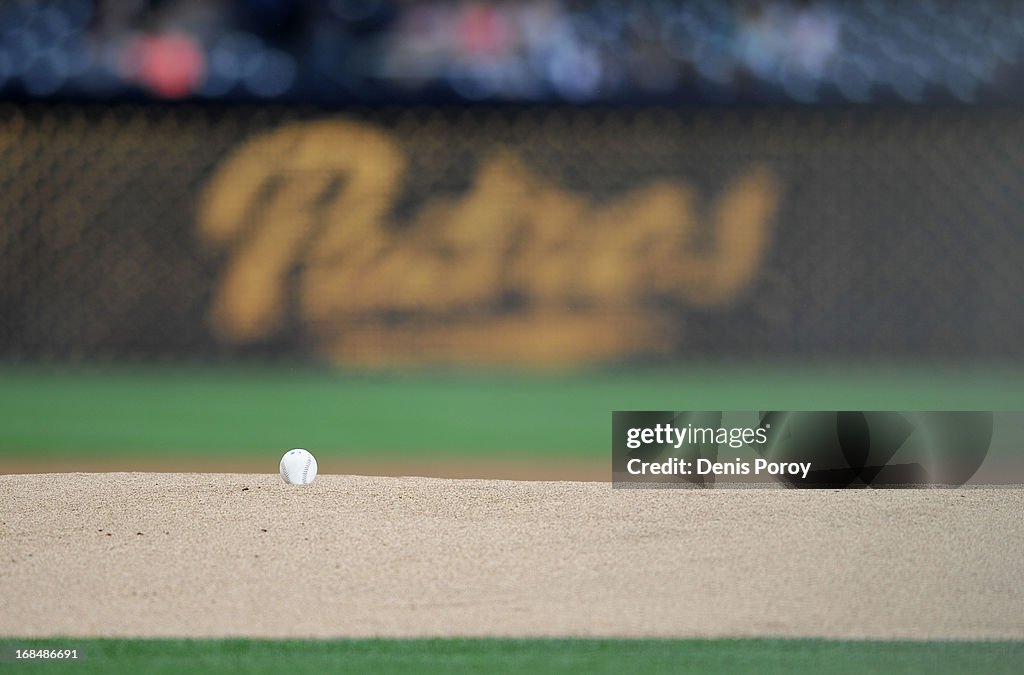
140 554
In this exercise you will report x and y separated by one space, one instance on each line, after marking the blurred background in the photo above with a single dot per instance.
449 238
345 51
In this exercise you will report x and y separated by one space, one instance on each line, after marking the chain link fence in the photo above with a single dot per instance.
546 235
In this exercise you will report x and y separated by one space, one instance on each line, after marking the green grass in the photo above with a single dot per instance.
760 656
235 412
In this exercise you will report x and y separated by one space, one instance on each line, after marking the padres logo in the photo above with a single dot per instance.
515 269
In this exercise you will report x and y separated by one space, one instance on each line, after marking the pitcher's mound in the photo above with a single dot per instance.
206 555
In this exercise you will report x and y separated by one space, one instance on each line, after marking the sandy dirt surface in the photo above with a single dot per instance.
136 554
536 468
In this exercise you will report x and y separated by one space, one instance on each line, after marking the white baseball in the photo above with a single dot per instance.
298 467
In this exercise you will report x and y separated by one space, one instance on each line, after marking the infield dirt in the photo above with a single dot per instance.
206 555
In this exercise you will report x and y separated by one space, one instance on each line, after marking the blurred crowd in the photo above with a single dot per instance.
342 51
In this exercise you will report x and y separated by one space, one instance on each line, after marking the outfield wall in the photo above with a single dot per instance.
547 235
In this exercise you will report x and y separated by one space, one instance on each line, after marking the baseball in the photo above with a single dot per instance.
298 467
